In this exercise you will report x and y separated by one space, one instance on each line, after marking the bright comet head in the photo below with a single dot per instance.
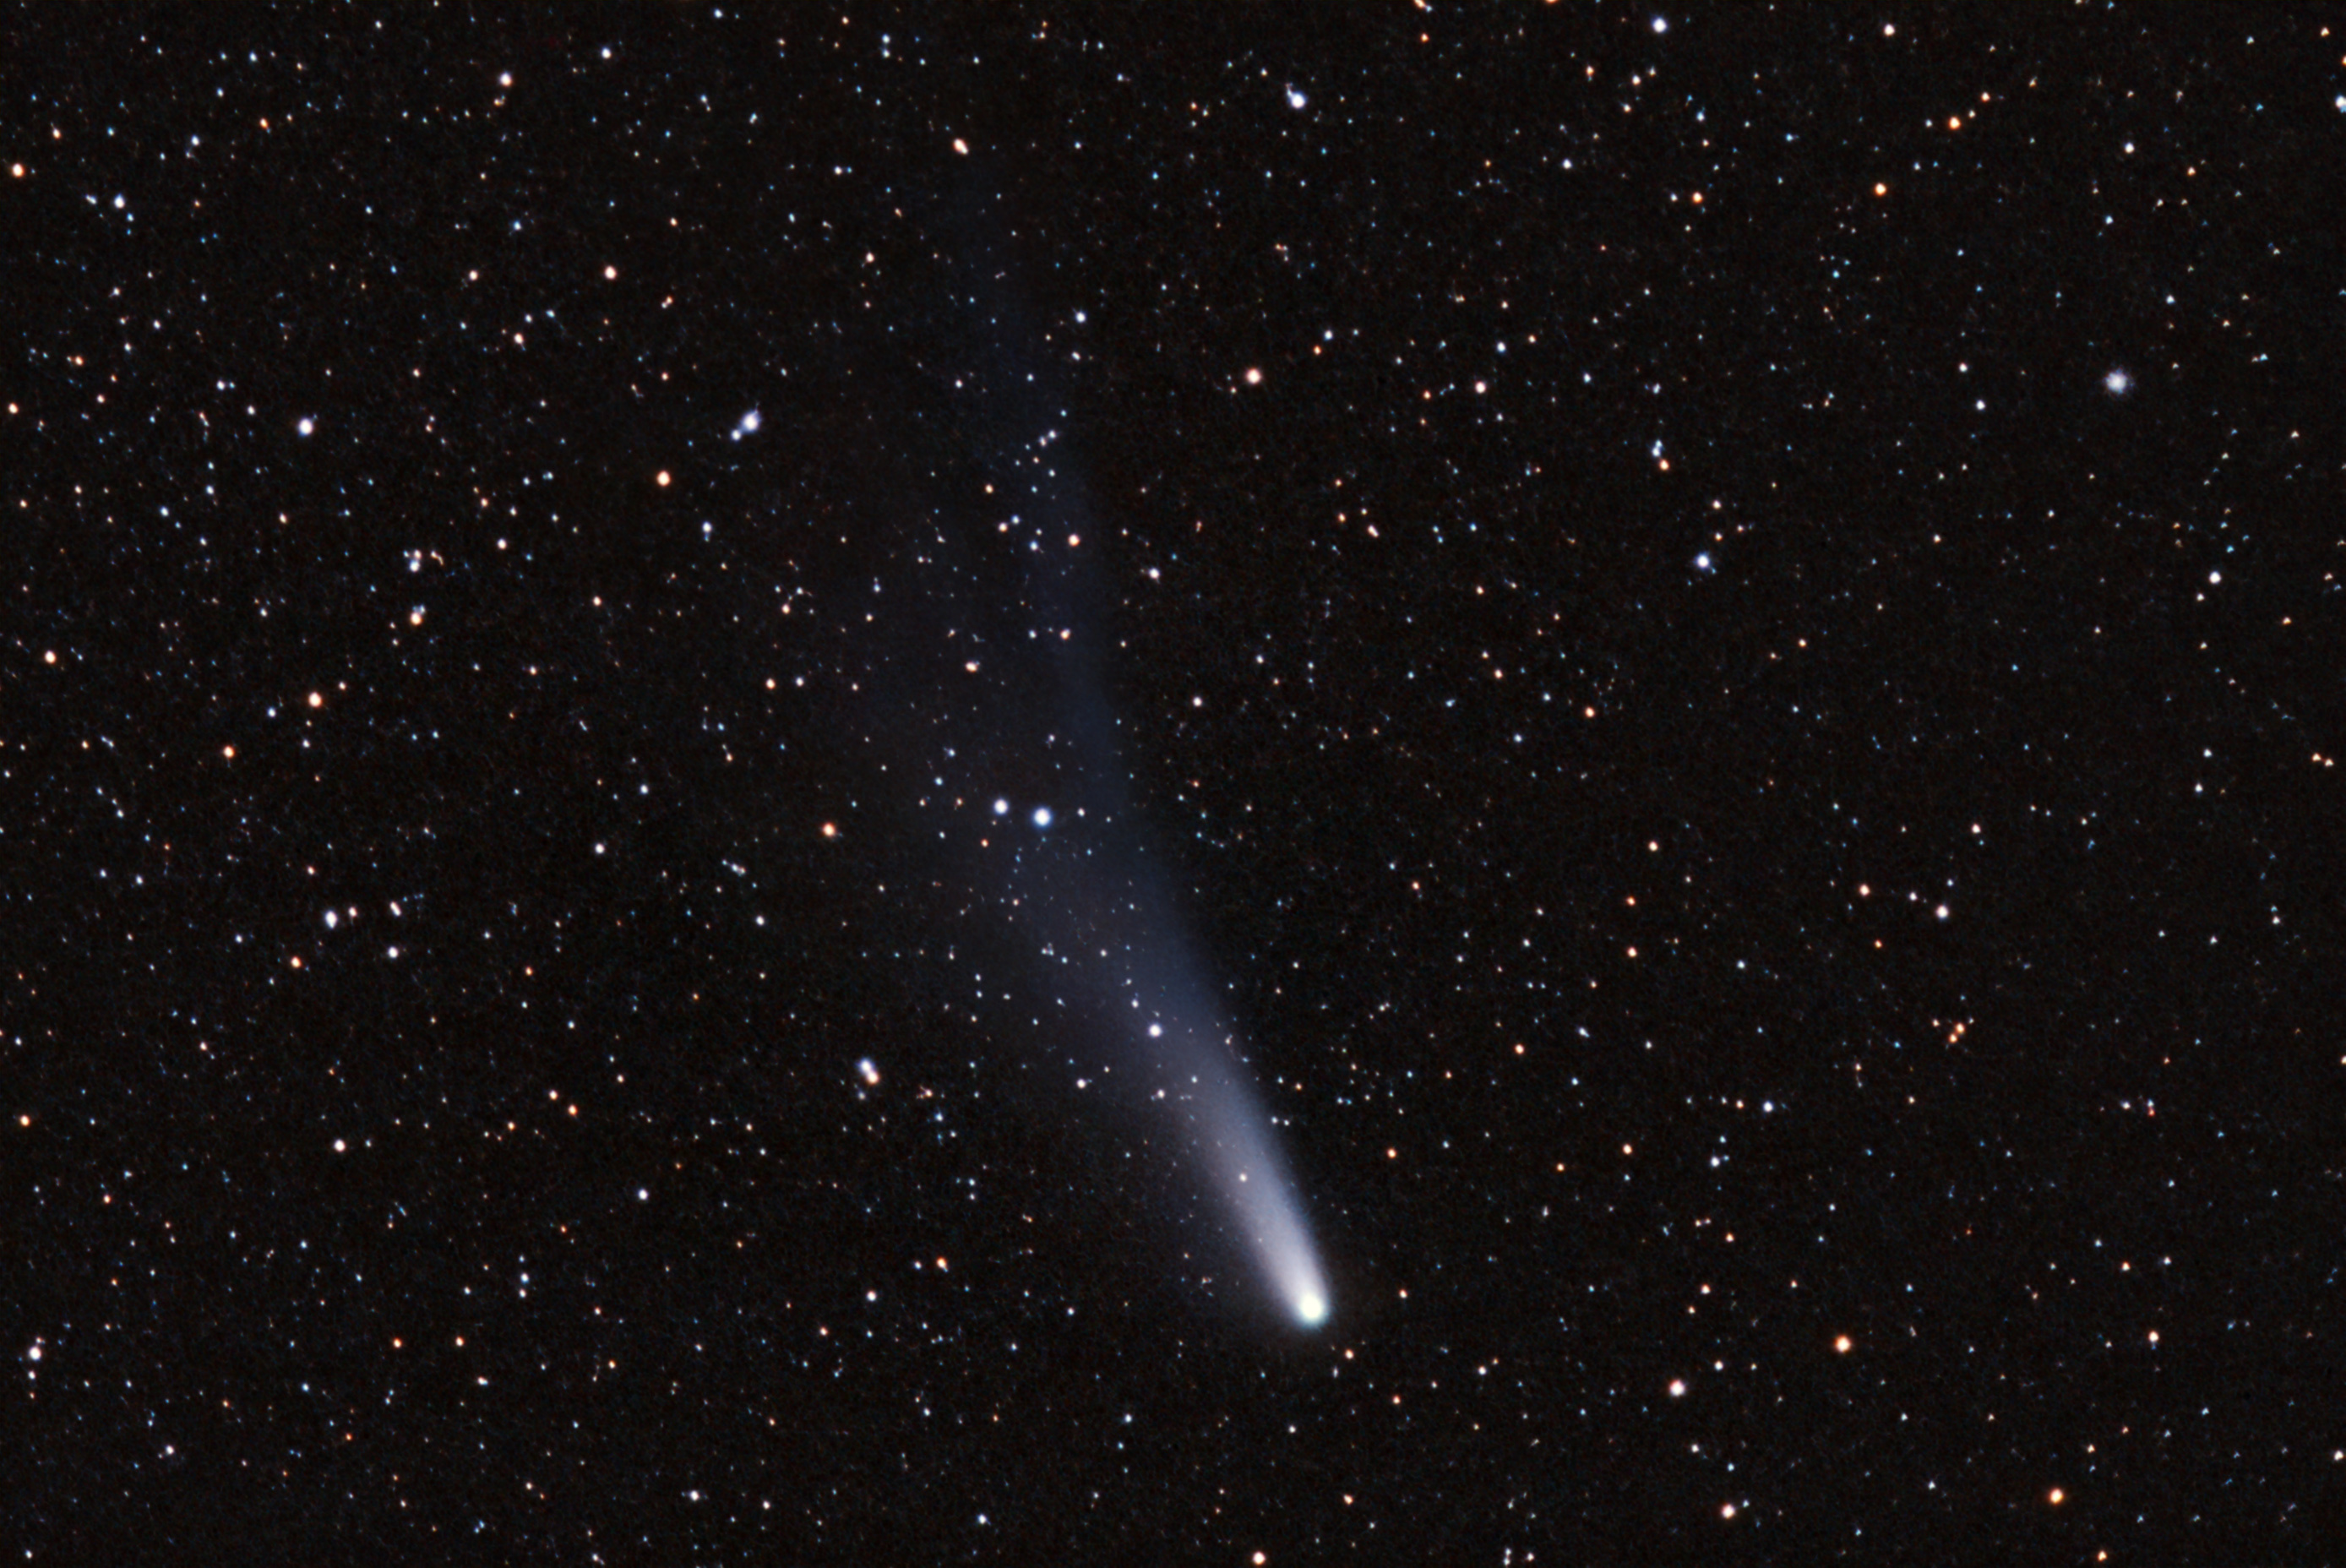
1294 1270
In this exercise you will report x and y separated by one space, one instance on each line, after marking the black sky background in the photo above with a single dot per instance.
1599 525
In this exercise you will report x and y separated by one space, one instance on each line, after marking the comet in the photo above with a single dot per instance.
999 650
1236 1144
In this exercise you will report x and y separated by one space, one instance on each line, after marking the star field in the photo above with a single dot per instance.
686 690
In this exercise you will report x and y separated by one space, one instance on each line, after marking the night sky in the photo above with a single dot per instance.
705 717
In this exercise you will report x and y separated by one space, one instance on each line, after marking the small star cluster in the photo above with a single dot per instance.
655 659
